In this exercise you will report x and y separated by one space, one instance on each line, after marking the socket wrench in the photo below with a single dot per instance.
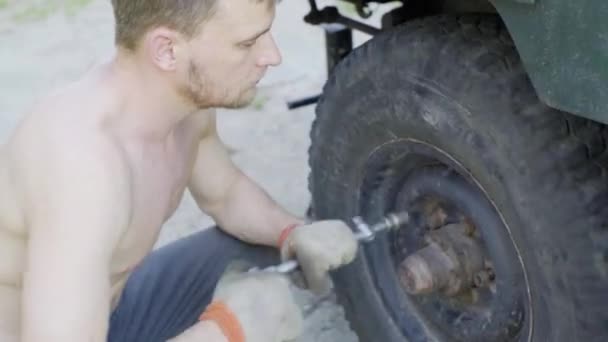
364 233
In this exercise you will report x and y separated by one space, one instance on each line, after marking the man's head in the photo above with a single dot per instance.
211 52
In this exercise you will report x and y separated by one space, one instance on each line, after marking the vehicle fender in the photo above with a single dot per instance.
564 48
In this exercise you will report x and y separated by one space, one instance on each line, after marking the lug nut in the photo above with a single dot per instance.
437 218
483 278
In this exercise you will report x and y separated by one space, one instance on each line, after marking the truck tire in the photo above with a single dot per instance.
438 117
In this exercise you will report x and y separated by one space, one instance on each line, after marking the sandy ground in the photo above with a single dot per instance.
45 48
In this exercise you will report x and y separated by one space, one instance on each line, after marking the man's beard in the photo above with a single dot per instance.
203 93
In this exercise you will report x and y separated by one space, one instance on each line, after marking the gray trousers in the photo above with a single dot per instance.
169 290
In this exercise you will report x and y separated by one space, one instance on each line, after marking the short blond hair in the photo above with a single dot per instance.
135 17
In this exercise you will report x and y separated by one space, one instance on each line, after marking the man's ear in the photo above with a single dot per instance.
161 47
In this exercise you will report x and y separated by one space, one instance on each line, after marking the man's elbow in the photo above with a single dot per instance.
217 203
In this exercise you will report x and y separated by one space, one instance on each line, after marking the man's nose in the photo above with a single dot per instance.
271 56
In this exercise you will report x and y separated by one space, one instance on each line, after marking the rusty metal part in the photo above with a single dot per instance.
437 217
434 214
448 263
426 271
483 278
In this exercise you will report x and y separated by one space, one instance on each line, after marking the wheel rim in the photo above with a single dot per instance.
410 175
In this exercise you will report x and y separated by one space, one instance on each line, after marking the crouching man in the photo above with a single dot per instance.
94 170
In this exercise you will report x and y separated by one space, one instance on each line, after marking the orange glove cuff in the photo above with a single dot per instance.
221 314
285 233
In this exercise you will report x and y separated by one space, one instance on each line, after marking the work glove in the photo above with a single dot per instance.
319 247
262 303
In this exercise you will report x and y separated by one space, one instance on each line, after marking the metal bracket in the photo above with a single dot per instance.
330 15
363 10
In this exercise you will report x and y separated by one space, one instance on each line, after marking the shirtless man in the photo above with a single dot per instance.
94 170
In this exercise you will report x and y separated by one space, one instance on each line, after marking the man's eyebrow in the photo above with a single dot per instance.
258 35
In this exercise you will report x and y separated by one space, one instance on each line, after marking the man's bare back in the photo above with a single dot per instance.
155 169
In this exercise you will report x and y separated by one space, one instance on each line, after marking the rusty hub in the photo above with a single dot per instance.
454 272
448 264
453 263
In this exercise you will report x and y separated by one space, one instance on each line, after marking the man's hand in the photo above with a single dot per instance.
263 305
319 248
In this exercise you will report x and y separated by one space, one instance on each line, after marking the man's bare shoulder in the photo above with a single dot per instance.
66 118
76 109
62 139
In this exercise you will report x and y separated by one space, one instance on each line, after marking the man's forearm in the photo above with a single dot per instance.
250 214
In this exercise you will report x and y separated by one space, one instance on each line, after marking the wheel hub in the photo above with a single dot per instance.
448 264
455 272
451 264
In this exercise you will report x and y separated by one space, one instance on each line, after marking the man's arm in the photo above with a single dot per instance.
243 209
78 207
239 206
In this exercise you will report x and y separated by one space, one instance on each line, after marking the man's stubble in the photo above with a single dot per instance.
203 92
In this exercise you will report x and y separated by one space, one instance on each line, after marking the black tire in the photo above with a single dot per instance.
455 87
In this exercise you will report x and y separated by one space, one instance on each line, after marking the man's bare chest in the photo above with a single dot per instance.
160 175
157 189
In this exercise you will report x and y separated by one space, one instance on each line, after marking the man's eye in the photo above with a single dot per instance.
248 44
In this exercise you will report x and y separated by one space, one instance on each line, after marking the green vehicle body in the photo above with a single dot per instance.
564 47
562 44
